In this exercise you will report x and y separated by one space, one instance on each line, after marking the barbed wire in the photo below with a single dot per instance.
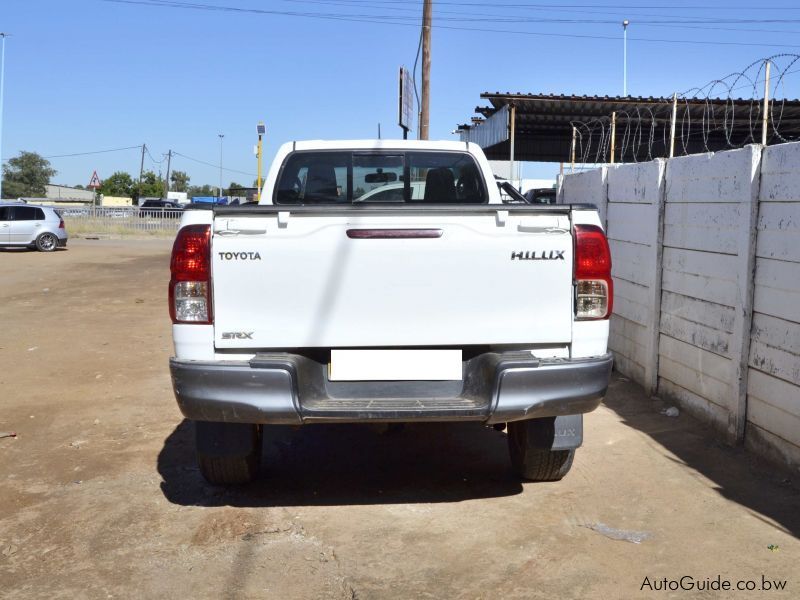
708 118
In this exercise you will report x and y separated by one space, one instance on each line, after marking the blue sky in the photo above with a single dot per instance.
85 75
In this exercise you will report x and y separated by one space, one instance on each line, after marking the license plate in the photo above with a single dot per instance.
395 365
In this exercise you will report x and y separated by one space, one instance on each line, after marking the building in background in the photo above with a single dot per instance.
64 193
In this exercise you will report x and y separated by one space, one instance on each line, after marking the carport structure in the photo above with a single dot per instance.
599 129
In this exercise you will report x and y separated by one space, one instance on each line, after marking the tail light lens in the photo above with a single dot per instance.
594 287
61 224
190 284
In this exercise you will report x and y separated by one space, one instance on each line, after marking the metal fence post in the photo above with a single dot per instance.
672 125
765 117
572 153
613 135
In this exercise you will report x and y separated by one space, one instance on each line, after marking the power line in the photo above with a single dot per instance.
482 17
157 162
545 5
203 162
552 8
92 152
391 20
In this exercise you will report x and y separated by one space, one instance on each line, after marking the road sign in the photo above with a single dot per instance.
94 182
406 100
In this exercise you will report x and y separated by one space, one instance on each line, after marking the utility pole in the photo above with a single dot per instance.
166 181
427 16
2 87
221 135
141 171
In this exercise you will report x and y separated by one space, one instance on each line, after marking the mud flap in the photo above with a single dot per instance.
558 433
220 440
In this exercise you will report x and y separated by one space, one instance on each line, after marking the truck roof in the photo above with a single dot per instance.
381 144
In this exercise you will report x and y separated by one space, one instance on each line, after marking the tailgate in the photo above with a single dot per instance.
342 280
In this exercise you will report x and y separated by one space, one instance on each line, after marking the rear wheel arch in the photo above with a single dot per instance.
46 242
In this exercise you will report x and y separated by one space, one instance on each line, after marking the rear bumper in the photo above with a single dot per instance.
292 389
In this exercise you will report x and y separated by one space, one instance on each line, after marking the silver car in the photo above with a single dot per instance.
33 226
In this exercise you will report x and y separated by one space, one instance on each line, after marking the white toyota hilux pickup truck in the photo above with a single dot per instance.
386 281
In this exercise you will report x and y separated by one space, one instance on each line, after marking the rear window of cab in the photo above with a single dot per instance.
345 177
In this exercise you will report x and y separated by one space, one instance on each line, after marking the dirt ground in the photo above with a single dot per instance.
100 497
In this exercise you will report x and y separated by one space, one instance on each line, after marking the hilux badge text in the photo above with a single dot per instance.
539 255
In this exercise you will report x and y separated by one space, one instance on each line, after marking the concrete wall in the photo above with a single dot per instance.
707 281
706 255
773 383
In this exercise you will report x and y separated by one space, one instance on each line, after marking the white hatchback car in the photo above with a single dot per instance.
39 227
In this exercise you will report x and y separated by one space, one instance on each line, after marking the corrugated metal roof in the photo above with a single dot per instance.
544 122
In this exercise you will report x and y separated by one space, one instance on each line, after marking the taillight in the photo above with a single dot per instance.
594 297
190 284
61 224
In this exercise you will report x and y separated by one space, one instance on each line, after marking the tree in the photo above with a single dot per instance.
118 184
237 187
180 181
79 187
204 190
26 175
151 186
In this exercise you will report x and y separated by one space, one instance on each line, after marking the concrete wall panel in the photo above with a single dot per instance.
721 177
708 227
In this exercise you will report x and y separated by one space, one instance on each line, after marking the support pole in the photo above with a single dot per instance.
221 135
260 159
512 118
765 118
572 153
141 172
166 181
427 16
613 135
2 91
672 125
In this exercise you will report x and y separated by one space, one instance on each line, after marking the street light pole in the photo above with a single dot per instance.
625 24
2 86
221 135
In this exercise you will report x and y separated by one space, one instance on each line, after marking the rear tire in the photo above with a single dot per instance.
228 453
529 445
46 242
